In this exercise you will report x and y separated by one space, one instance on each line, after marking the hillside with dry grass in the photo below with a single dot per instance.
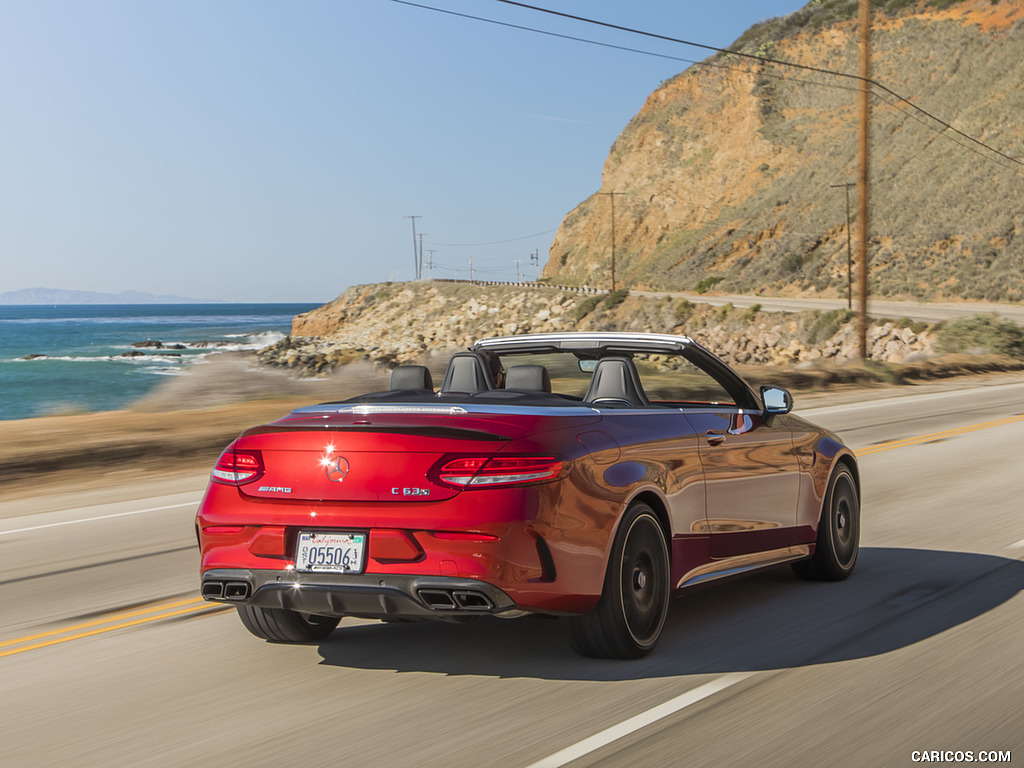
724 175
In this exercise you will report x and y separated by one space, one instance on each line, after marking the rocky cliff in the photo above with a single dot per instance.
725 175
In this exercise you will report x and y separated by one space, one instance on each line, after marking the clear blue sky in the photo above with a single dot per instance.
250 150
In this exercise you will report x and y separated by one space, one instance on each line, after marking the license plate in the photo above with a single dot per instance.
330 552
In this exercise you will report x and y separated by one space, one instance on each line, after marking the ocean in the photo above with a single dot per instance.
90 358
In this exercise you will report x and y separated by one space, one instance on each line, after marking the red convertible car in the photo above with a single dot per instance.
583 475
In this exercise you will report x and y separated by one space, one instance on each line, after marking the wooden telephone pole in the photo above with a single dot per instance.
862 179
849 252
611 197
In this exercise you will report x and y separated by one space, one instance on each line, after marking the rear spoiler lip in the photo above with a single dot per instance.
452 433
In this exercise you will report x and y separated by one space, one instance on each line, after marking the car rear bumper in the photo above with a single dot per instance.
374 596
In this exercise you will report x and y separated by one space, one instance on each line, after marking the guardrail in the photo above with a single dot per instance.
530 284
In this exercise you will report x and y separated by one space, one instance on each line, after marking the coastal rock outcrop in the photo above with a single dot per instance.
389 324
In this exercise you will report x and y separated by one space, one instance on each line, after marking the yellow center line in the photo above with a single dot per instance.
908 441
113 617
122 625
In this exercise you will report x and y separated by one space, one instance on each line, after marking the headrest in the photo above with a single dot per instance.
468 372
528 378
615 380
411 377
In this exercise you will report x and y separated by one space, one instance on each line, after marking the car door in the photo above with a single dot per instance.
751 480
751 472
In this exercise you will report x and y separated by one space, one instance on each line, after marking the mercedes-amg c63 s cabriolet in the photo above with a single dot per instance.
584 475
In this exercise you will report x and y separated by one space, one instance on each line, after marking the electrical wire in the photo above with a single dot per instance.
544 32
495 242
754 57
766 59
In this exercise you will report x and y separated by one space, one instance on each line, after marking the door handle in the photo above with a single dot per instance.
714 438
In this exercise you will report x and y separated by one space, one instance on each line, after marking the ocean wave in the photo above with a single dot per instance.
256 341
253 341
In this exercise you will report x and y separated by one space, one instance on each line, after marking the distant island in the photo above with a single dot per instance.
57 296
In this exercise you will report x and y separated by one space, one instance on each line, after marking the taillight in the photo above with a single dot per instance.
488 472
238 467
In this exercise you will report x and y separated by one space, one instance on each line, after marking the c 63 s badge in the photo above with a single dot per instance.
410 491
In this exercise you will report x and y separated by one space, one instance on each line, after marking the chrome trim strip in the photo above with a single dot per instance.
732 566
597 339
463 409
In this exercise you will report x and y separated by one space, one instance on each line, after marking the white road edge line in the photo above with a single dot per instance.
1018 545
626 727
99 517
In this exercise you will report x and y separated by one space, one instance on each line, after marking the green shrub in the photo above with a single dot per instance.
988 332
613 299
917 326
683 310
586 306
792 262
751 312
827 324
708 283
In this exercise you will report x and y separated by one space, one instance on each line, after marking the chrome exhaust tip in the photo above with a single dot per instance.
472 601
236 590
213 590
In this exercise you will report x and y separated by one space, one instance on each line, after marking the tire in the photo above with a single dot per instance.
835 552
280 625
630 615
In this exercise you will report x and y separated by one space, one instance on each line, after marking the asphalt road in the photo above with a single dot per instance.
108 659
930 312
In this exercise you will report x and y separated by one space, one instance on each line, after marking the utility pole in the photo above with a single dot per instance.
419 261
517 263
535 260
849 253
430 264
611 197
415 258
862 178
471 269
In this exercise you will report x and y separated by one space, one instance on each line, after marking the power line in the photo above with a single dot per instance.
495 242
754 57
766 59
544 32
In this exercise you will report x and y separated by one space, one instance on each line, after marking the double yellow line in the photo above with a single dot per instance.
116 620
937 436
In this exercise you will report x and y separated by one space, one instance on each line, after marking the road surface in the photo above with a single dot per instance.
930 312
108 658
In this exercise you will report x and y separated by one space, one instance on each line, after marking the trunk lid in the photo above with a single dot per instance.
377 453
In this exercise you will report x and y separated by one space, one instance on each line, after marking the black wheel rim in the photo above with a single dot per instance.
844 521
644 580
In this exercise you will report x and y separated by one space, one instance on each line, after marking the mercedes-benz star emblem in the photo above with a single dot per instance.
337 469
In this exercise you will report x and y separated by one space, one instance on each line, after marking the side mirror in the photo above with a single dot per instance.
776 400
